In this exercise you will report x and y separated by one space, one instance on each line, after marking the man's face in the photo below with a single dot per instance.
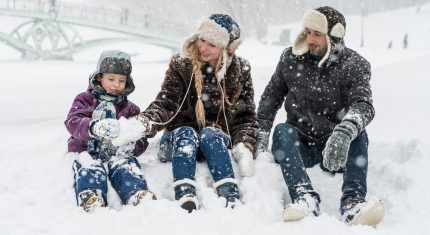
316 41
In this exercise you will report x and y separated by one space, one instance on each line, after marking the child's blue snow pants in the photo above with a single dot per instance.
124 173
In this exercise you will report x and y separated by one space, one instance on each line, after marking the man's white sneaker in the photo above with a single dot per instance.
304 206
358 211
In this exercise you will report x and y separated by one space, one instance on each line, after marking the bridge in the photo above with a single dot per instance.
49 32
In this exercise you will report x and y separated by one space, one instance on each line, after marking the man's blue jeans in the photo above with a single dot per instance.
295 155
182 146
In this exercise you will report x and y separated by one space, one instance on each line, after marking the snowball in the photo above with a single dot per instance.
131 130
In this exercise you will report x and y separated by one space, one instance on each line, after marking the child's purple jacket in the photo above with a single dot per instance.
79 118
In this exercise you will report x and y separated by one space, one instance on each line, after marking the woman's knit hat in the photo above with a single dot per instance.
326 20
220 30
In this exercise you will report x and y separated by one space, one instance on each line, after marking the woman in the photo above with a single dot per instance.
206 105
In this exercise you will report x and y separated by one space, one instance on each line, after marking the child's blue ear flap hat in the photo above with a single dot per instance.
116 62
113 61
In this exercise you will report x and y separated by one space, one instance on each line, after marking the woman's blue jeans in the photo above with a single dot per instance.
182 146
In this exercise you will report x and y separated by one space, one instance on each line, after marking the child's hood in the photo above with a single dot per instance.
113 61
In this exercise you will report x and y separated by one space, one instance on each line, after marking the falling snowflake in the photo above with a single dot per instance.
209 69
205 97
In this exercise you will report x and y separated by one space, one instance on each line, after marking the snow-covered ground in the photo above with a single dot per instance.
36 180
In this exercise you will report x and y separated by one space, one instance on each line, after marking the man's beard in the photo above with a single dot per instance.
315 49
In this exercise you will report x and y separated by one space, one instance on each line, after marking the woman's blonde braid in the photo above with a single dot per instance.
197 64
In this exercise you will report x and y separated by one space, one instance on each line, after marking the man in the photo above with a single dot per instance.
328 100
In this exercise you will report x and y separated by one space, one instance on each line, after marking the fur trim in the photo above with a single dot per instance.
185 51
327 54
184 181
338 31
214 33
300 45
235 44
226 180
315 20
221 73
189 198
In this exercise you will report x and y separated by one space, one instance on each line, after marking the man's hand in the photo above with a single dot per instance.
336 148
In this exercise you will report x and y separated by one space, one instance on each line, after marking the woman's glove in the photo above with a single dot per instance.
145 124
244 158
336 148
105 128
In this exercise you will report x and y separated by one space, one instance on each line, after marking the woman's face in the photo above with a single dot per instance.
209 53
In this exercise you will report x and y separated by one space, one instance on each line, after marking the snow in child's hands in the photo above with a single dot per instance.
131 130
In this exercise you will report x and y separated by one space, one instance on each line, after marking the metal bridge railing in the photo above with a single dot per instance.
49 33
107 15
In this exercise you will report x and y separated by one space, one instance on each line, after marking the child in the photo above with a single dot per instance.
92 122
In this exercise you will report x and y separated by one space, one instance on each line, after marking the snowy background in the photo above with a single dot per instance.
36 179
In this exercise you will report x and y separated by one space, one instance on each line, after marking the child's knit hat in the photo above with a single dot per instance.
114 61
